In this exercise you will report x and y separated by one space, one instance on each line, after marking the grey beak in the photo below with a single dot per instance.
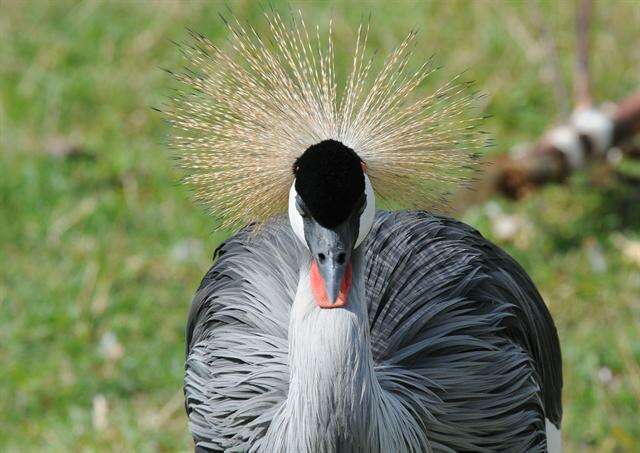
332 269
331 249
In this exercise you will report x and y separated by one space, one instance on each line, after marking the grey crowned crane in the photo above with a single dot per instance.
339 328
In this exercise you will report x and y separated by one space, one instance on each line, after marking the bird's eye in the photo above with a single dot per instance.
302 209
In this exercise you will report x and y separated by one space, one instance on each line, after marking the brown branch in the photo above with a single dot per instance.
516 175
627 119
589 135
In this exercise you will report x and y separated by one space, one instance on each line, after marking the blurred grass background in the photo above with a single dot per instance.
101 249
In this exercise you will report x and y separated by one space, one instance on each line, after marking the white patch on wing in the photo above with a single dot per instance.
554 439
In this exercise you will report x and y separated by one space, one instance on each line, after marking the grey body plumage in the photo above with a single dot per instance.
458 351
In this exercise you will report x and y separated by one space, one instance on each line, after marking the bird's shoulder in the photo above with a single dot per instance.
431 279
237 337
254 263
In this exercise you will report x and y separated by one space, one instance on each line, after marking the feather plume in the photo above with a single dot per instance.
247 110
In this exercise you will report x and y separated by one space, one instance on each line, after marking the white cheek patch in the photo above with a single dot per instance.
366 219
294 216
369 214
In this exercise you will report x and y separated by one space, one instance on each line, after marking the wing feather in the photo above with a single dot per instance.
460 336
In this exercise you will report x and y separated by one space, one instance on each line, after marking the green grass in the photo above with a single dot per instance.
107 246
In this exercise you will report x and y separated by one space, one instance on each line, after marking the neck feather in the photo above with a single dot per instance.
332 385
335 402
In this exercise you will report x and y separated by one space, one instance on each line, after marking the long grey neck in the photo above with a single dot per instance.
335 402
332 387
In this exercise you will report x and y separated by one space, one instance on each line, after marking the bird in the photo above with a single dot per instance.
346 313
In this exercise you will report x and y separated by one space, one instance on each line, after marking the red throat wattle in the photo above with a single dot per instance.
320 292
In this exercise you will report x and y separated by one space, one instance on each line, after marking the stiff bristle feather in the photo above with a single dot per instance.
251 109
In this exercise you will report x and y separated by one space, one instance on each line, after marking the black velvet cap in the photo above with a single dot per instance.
330 181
